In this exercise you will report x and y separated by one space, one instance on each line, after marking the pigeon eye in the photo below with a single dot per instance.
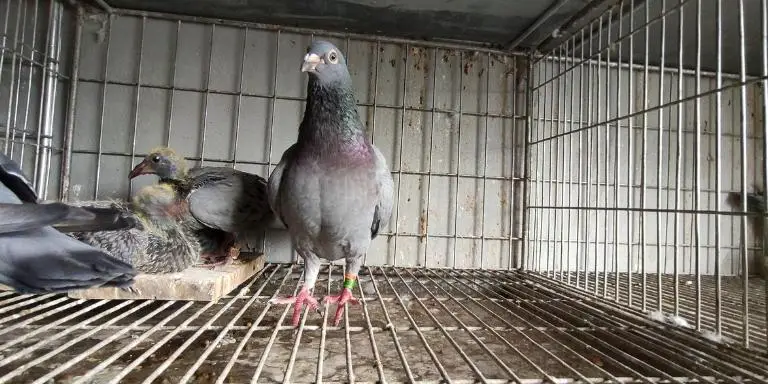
333 58
155 159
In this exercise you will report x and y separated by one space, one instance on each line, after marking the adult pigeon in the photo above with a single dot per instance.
332 188
755 205
35 257
161 245
228 206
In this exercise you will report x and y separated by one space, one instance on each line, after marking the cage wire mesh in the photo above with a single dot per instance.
513 172
635 207
33 72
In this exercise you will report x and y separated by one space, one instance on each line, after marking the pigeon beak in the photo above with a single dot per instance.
311 60
139 169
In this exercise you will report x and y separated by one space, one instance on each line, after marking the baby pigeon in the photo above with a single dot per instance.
228 206
332 189
161 245
35 257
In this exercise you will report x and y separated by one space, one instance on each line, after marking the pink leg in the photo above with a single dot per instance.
344 297
304 297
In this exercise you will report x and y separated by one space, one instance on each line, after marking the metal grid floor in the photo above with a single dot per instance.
415 325
615 288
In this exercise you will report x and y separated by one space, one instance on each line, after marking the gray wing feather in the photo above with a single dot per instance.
275 179
386 188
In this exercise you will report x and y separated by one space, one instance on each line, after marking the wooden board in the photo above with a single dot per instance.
193 284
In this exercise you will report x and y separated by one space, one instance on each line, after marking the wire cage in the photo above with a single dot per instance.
562 214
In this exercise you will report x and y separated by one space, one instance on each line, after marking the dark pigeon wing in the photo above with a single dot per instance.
21 217
13 177
45 260
226 199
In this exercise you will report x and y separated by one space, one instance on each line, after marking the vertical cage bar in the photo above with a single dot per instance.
400 157
30 79
554 144
678 162
719 166
564 182
764 128
551 173
742 173
588 159
52 69
513 160
569 160
580 147
644 163
458 157
606 158
555 180
137 99
239 103
429 160
597 142
16 94
172 92
66 160
206 94
485 167
102 107
271 130
41 103
541 126
659 157
4 45
526 198
697 168
618 156
630 154
14 59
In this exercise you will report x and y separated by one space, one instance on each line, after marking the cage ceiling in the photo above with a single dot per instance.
492 22
543 25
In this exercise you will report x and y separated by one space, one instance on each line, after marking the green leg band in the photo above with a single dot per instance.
349 283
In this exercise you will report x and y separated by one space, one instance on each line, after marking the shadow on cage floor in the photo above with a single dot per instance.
416 325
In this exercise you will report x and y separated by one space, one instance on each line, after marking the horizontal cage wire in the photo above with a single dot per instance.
559 217
636 207
416 325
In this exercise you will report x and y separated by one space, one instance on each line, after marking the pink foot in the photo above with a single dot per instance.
304 297
341 299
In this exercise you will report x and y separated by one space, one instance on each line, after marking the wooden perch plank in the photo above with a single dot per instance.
193 284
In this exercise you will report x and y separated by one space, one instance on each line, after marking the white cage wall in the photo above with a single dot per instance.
232 95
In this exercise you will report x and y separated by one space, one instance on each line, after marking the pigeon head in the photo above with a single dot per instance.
161 161
159 201
325 63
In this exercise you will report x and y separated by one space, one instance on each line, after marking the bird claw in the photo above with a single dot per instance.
344 297
298 301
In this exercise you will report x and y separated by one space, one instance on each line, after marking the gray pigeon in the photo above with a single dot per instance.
35 257
161 245
755 204
229 206
332 189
